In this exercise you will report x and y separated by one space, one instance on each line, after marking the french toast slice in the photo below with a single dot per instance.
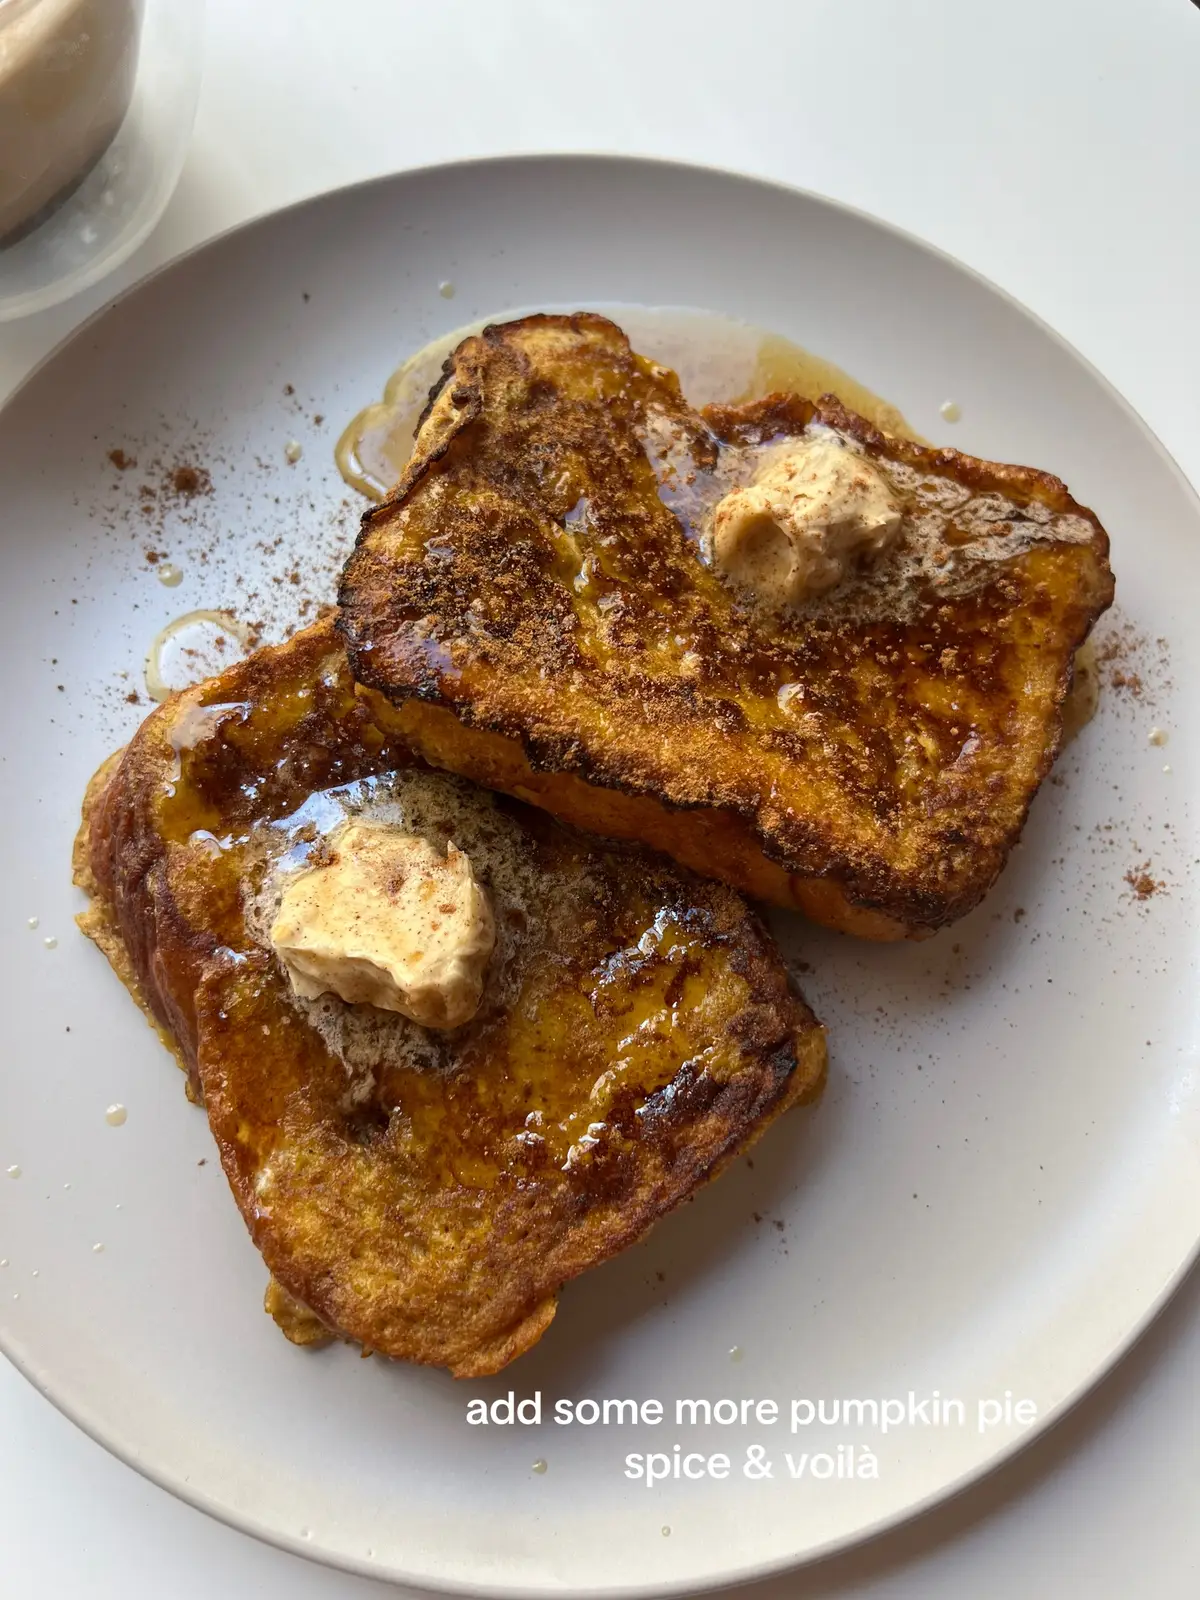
536 599
426 1192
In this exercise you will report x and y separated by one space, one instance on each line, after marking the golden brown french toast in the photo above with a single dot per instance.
539 598
426 1191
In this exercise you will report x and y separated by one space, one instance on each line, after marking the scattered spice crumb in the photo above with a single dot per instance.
1129 681
1019 914
187 480
289 388
182 495
1132 663
1143 883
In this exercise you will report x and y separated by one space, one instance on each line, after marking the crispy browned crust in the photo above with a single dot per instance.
532 599
99 923
418 1224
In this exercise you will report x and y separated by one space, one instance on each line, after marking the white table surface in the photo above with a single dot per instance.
1052 144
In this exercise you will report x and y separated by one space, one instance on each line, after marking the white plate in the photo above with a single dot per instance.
1003 1182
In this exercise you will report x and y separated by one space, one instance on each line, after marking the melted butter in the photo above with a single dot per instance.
197 724
718 361
540 1086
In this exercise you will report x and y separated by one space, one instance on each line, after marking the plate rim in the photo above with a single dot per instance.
180 1488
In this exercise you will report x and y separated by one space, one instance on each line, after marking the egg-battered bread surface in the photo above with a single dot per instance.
425 1190
819 662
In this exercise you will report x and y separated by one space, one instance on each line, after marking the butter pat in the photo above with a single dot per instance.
812 512
385 919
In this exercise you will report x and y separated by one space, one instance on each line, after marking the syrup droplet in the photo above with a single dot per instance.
17 1296
292 451
14 1171
96 1249
1167 767
3 1261
951 410
33 922
1158 736
115 1115
539 1466
736 1352
666 1530
35 1273
169 575
446 289
50 942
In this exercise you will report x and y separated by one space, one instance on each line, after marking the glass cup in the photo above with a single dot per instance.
97 102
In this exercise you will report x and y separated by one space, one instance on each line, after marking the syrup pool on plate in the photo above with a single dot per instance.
716 358
194 646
